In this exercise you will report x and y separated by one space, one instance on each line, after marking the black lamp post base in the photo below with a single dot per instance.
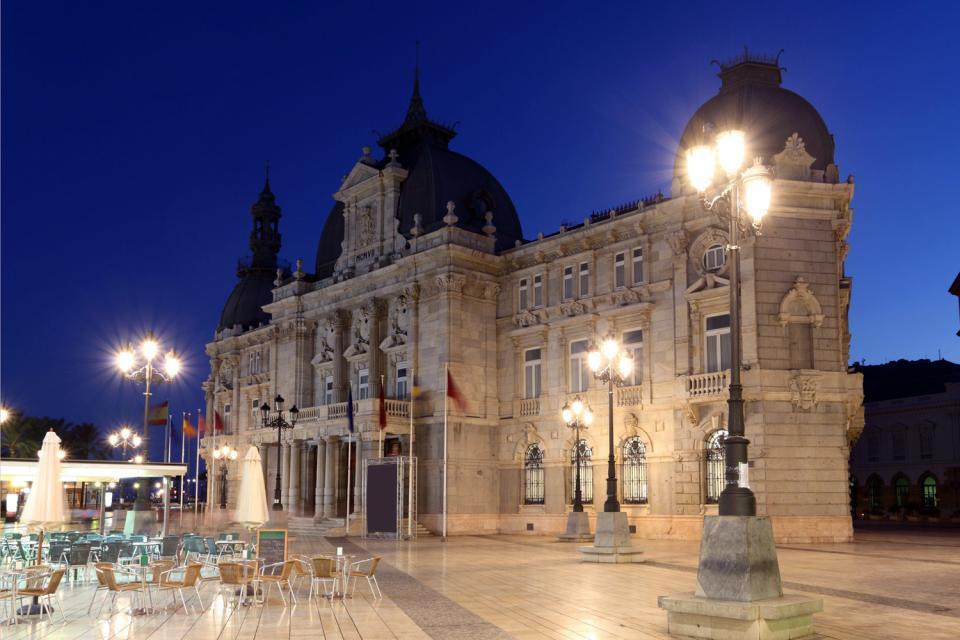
277 506
737 501
34 609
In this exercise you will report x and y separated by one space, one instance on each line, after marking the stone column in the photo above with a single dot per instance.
320 486
359 455
375 357
238 413
296 451
285 475
330 476
340 380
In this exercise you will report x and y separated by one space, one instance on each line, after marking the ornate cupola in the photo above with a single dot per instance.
244 308
265 236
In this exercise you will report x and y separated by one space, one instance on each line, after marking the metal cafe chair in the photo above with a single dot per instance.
46 590
324 570
108 573
281 579
358 570
189 580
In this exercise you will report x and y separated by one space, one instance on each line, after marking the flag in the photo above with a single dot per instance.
201 424
455 394
383 408
158 414
350 408
217 421
187 427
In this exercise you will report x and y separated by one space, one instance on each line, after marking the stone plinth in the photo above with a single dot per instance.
738 560
787 617
612 544
578 528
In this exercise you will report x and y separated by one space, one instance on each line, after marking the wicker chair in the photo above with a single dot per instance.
281 579
47 590
190 580
324 570
108 573
357 571
79 557
233 576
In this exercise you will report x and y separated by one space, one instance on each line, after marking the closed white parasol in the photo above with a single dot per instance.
44 506
252 508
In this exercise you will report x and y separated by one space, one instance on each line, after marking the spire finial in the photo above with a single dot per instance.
266 182
416 111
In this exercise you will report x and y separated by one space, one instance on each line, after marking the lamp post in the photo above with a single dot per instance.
124 438
745 191
142 370
225 453
612 365
577 415
279 424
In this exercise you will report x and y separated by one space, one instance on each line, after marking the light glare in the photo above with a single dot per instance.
149 349
758 192
126 360
700 164
171 364
610 348
594 360
731 149
625 365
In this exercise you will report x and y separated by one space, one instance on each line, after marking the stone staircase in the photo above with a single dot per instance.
337 527
419 531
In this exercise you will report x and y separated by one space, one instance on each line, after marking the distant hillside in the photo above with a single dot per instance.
906 378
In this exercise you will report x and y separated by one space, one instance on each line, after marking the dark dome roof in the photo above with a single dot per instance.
243 307
436 176
752 99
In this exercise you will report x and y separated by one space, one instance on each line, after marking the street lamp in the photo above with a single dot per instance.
745 191
613 365
578 416
141 369
279 424
124 438
226 452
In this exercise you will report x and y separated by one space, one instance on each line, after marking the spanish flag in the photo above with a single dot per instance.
187 427
158 415
201 424
454 393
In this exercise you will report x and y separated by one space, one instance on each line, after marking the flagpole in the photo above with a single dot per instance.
383 427
349 452
196 475
446 392
413 380
183 453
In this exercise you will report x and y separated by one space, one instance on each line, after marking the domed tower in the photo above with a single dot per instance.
751 99
256 272
434 176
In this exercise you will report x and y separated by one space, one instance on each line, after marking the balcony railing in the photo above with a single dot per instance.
338 410
398 408
708 385
630 396
530 407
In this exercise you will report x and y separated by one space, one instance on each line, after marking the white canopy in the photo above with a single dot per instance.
252 508
45 503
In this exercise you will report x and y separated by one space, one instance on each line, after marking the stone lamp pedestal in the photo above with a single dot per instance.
612 542
578 528
738 592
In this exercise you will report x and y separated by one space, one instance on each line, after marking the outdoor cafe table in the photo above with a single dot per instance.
343 566
142 571
144 546
237 546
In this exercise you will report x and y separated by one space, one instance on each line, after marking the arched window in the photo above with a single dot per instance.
586 473
533 475
929 492
634 471
716 465
874 486
902 487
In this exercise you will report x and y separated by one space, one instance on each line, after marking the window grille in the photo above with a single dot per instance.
533 475
716 466
586 473
634 471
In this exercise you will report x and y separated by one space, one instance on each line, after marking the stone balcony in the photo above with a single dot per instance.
335 415
528 407
708 386
631 396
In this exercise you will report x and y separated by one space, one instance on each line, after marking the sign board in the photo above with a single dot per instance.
272 545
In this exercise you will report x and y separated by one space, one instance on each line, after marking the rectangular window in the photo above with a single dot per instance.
568 283
718 342
363 384
633 343
619 271
584 279
523 293
255 407
328 390
637 266
538 290
227 419
403 386
579 370
532 373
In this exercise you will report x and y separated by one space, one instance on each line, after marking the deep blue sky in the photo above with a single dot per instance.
135 135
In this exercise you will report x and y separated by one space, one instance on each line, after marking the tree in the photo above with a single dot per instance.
23 437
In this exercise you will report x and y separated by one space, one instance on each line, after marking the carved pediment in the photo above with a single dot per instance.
793 163
360 172
800 305
706 282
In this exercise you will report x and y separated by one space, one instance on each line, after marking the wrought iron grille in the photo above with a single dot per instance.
716 465
586 473
634 471
533 475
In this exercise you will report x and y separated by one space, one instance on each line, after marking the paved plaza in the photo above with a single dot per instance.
888 584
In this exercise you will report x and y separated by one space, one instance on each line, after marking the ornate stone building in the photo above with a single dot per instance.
422 264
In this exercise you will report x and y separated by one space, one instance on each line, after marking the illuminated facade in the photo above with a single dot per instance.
422 264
